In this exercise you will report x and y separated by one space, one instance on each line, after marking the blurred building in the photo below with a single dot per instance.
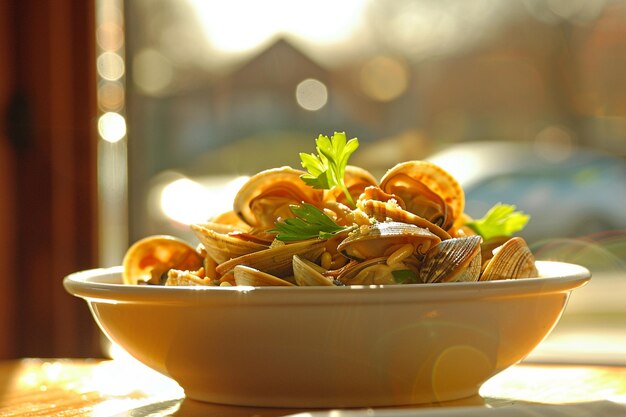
414 79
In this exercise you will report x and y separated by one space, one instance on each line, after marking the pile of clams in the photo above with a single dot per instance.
409 227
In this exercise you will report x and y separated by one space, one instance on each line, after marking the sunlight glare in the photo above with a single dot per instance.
241 25
465 167
116 382
186 201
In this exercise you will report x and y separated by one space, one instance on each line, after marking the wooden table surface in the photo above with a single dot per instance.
72 387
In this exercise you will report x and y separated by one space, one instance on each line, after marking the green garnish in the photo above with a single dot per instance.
404 276
309 222
500 220
327 168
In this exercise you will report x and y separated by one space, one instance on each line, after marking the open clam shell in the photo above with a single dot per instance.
456 259
223 243
384 210
278 260
375 271
231 219
427 190
487 247
380 239
511 260
307 273
267 196
245 275
149 258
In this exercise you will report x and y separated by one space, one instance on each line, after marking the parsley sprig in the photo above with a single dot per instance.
327 168
500 220
309 222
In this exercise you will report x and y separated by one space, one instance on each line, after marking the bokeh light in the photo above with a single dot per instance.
152 71
112 127
111 96
311 94
110 66
110 36
384 78
554 144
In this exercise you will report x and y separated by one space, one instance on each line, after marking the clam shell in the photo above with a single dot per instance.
222 243
357 273
511 260
385 211
267 196
373 272
378 239
456 259
149 258
406 178
307 273
230 218
244 275
276 260
488 246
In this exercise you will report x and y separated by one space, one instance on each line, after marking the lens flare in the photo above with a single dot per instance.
605 251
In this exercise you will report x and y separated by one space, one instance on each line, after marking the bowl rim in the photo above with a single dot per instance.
105 285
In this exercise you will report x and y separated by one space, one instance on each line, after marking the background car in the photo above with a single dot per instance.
569 192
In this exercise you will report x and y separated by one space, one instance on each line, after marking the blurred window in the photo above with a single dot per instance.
217 90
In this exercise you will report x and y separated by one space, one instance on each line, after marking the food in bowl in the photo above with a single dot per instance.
341 346
336 225
292 298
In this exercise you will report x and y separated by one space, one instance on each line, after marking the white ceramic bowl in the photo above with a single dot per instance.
330 346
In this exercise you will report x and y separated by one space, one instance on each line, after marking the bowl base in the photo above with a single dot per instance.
466 398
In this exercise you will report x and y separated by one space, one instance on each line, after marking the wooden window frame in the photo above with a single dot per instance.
48 175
